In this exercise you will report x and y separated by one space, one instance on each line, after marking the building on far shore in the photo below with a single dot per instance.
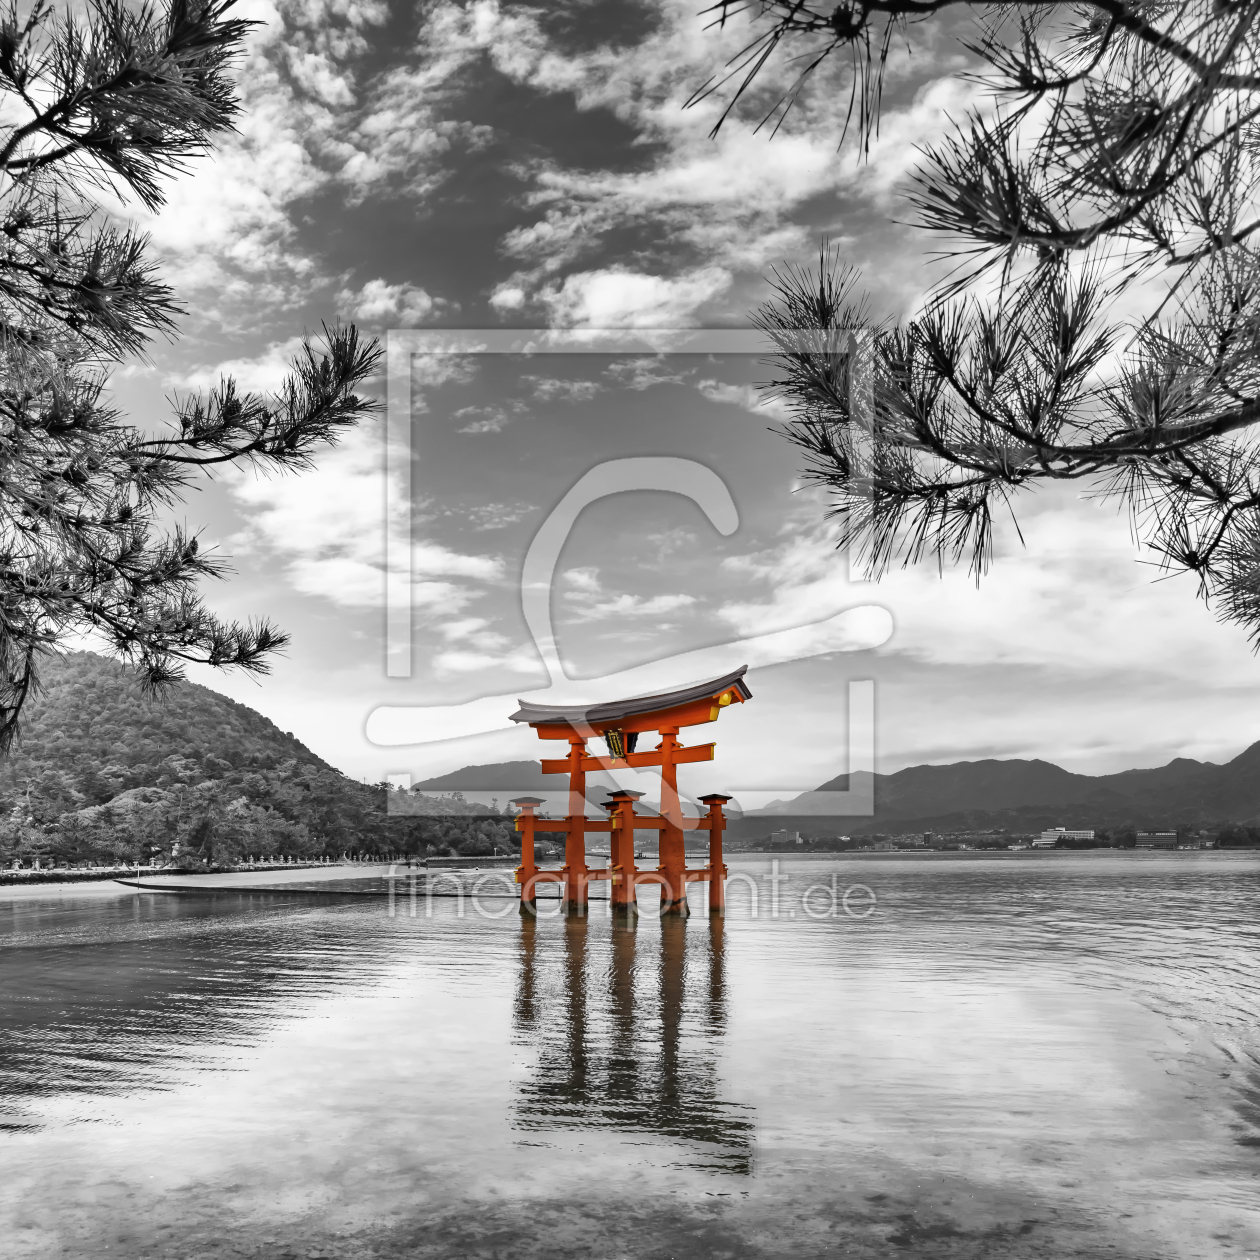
786 837
955 840
1048 839
1156 839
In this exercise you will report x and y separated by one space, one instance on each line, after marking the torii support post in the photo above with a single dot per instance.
621 890
717 868
527 872
672 845
575 868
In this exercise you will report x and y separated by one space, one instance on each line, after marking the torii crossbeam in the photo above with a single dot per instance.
620 723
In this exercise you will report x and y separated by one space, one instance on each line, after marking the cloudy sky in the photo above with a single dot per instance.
488 165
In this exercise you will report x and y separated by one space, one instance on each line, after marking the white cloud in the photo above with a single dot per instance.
328 527
717 207
551 389
484 419
486 516
903 132
381 304
670 541
433 370
584 580
310 121
1074 600
472 630
508 297
616 297
806 580
587 600
317 74
258 373
644 373
479 647
315 120
458 661
228 219
430 559
637 606
432 600
747 397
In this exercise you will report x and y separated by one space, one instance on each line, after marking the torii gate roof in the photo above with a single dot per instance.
640 707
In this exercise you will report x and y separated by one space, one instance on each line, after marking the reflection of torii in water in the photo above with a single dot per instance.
618 1059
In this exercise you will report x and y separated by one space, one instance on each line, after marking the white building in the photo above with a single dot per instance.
786 837
1048 839
1156 839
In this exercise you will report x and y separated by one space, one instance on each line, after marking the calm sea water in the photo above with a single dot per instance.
1014 1056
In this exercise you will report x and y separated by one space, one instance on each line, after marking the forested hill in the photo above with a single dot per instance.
106 772
93 720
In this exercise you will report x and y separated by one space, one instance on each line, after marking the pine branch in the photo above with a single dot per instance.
313 407
120 98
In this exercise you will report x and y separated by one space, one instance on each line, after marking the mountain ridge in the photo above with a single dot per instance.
105 771
1010 793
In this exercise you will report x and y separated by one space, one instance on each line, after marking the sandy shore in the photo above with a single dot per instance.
109 887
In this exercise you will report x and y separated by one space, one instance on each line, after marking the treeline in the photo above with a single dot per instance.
808 844
107 775
1238 837
209 813
1225 836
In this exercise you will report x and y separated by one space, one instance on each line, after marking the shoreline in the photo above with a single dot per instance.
101 885
971 853
53 875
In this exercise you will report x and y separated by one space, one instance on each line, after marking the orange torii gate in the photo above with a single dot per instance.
620 723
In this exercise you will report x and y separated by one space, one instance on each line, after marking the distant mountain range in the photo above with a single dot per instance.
1016 795
1028 795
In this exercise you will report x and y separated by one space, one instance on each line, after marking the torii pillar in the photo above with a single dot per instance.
717 867
672 845
576 872
622 871
527 872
